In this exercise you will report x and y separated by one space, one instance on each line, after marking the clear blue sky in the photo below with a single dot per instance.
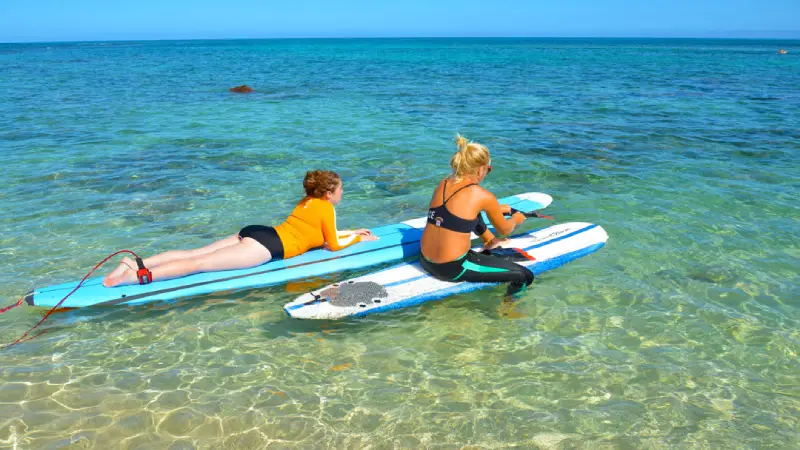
78 20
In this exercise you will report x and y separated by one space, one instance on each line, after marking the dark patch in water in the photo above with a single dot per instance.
713 275
746 153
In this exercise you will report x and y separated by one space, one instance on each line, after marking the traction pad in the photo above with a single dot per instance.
354 293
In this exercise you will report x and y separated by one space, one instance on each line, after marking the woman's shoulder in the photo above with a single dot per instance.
314 204
320 204
482 192
474 187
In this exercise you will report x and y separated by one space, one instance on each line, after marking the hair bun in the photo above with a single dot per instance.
317 182
461 142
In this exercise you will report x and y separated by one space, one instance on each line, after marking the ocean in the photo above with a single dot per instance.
682 332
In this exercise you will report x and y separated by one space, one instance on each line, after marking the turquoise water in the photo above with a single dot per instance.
681 333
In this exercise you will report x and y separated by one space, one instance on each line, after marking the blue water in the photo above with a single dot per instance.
681 333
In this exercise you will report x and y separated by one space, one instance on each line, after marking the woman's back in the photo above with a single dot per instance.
454 208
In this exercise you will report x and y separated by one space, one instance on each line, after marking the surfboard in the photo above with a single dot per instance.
397 241
408 284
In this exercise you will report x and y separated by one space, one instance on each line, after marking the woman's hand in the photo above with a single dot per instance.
362 232
368 237
495 242
505 209
518 217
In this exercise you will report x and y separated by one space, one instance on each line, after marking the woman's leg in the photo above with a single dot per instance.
476 268
496 269
241 255
171 255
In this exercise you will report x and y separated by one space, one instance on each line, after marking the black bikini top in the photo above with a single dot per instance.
442 217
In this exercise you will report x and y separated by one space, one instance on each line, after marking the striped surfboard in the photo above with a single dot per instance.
408 284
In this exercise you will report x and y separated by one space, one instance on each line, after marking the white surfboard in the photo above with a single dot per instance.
408 284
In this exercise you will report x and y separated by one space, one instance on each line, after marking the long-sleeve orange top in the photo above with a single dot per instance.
312 224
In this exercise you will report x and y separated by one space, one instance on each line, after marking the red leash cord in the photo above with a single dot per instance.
140 274
12 306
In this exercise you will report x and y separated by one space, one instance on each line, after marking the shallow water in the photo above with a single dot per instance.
681 333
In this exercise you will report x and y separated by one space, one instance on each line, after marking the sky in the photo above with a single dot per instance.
98 20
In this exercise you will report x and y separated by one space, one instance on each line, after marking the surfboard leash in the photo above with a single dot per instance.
12 306
143 274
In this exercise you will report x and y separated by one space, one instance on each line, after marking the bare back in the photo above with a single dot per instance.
464 201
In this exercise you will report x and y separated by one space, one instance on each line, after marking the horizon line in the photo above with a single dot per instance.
794 38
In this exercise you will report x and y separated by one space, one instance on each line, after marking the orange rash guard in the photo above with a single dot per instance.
312 224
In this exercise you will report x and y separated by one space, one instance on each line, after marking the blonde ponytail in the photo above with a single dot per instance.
461 142
469 157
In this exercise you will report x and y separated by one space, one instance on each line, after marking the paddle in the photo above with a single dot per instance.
529 215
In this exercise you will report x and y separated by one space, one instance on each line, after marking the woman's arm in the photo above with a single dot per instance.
494 211
332 236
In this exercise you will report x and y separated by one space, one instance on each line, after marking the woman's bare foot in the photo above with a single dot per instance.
126 264
494 243
128 276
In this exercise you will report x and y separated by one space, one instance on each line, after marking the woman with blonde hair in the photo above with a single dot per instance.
446 239
311 224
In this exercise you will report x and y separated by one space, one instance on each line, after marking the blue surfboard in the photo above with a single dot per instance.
397 241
